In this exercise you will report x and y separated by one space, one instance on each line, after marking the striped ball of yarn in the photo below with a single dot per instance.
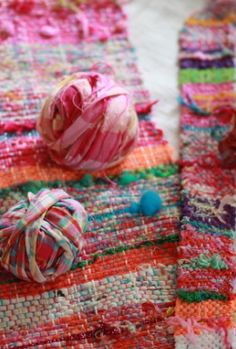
41 237
88 122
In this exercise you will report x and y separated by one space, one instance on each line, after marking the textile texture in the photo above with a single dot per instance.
121 290
206 305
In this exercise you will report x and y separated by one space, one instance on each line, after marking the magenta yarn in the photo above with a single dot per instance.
88 122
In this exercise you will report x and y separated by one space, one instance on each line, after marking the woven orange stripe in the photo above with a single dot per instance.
210 97
211 22
117 266
140 158
205 310
145 157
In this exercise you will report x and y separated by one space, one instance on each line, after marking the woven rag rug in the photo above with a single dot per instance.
122 290
206 305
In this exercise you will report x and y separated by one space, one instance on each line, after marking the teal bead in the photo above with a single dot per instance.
134 208
150 203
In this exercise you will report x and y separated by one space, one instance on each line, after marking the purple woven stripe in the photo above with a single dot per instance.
190 214
226 62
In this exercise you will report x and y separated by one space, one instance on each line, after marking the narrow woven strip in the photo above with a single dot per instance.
206 305
120 293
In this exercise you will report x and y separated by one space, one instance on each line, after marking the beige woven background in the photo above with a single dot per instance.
154 27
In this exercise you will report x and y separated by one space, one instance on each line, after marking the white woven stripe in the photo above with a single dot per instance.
149 284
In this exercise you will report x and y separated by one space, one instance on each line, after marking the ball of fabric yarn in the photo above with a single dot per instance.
40 237
88 122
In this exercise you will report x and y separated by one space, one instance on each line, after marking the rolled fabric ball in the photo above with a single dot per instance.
40 237
89 122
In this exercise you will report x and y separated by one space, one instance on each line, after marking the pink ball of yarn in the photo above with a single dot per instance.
40 237
88 122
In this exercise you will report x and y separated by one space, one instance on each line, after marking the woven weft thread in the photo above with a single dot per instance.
206 305
121 291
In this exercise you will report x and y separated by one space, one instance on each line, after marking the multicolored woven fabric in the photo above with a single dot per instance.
121 290
206 305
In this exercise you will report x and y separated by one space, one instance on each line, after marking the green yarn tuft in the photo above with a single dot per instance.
199 296
169 238
127 177
165 170
203 261
87 180
218 263
33 187
81 265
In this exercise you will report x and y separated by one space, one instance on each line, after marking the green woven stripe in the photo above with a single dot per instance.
211 76
209 229
199 296
120 249
88 180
